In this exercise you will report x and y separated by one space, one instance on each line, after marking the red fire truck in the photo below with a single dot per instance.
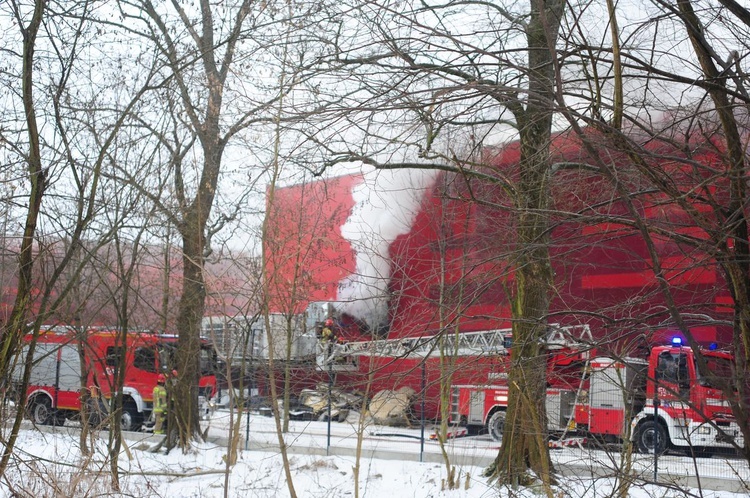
54 391
659 402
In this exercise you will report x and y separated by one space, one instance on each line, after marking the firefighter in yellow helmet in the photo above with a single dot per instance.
328 339
328 335
160 404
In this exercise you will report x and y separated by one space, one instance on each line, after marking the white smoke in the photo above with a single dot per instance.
385 206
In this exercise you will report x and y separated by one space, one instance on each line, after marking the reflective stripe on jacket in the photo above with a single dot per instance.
160 399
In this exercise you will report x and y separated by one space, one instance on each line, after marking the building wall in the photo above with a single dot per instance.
305 254
456 264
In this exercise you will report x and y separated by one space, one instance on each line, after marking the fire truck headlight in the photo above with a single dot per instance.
704 429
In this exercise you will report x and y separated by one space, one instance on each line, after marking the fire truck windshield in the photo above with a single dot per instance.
720 372
168 350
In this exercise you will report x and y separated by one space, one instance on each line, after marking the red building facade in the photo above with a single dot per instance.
455 266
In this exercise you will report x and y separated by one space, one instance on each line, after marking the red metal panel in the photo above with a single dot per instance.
495 397
582 415
464 399
606 421
68 400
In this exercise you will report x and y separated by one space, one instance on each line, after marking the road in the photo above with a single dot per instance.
717 473
258 433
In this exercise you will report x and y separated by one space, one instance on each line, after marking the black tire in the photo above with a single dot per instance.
475 430
59 418
699 452
131 419
40 411
496 425
651 437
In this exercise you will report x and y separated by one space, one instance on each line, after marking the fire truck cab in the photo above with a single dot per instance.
659 402
683 407
57 377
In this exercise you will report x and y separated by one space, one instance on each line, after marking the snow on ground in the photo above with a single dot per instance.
50 463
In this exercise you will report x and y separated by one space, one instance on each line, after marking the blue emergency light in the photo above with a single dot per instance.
676 341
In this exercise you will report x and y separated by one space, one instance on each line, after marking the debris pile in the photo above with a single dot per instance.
390 407
387 407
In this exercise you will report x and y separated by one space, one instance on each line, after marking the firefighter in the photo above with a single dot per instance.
328 334
328 339
160 404
96 407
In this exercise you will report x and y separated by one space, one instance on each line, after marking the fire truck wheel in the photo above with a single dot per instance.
651 437
41 411
131 417
496 425
59 418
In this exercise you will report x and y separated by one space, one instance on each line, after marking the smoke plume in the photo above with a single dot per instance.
385 206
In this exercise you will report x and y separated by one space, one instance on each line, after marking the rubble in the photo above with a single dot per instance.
389 407
342 402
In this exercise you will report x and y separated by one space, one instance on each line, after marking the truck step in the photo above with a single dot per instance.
453 432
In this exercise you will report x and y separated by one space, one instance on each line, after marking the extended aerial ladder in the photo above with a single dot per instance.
341 357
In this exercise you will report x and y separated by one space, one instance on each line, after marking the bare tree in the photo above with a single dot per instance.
43 158
19 317
56 171
199 56
676 147
423 70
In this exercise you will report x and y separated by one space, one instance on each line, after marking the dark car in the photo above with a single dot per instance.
297 410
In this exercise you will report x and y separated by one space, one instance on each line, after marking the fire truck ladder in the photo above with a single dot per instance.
577 338
571 336
342 357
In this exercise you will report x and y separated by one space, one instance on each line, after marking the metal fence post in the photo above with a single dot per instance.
656 435
424 388
330 395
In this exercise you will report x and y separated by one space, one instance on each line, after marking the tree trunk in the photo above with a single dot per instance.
192 304
12 334
16 326
524 445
